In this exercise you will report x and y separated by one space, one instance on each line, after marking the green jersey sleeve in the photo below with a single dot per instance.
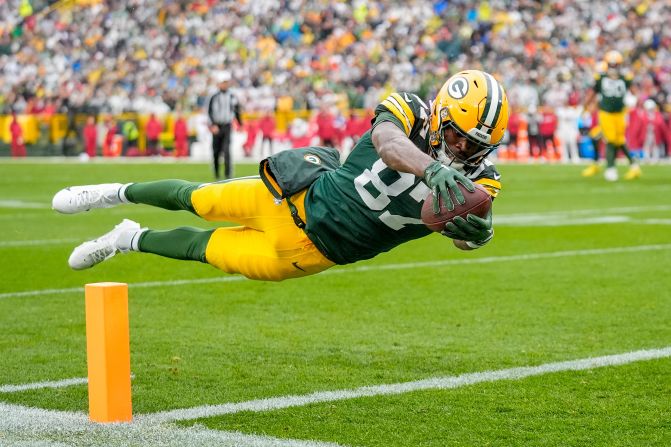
364 207
408 112
489 177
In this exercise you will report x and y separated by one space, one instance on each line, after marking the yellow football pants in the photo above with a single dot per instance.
613 126
268 245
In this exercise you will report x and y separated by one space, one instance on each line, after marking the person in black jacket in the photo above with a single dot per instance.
222 107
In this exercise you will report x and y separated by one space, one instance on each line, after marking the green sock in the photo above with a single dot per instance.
611 151
167 194
184 243
595 156
624 149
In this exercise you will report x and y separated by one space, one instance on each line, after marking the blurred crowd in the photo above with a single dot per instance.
158 56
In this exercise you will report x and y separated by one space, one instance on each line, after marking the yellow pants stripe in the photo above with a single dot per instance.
267 245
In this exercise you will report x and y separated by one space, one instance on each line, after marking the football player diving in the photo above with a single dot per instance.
305 212
611 83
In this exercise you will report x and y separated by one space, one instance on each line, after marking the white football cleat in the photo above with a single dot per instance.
76 199
610 174
104 247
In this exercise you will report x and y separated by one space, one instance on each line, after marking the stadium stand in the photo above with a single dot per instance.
133 58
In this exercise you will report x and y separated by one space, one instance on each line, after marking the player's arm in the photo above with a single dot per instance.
398 152
236 111
589 100
592 93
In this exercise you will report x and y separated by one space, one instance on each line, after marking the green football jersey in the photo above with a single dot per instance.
364 207
611 91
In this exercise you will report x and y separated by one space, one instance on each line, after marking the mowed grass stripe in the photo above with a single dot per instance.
436 383
370 268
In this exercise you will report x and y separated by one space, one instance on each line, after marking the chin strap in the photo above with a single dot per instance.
441 156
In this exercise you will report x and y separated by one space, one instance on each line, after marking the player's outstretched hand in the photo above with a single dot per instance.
443 179
472 229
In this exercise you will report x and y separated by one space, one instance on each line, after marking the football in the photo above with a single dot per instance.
478 202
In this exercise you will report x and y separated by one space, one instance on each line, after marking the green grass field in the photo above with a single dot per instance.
579 268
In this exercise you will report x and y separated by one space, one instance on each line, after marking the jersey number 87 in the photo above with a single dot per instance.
395 189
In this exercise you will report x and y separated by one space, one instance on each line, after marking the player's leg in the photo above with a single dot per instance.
216 151
595 136
244 201
564 146
226 149
235 250
608 127
173 195
611 171
239 200
634 171
270 246
255 254
167 194
181 243
573 148
276 250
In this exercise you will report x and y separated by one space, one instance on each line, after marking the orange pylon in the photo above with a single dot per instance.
108 352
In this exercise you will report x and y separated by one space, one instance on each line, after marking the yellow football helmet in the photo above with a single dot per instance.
475 105
613 58
602 67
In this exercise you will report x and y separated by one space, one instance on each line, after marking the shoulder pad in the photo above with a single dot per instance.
407 108
487 176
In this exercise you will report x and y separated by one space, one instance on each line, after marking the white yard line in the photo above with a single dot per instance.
22 204
561 221
655 221
47 384
40 385
437 383
33 426
582 212
37 427
371 268
577 217
28 243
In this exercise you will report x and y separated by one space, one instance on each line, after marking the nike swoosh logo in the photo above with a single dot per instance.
295 264
497 176
407 99
420 101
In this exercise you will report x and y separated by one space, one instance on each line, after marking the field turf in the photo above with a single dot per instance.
579 269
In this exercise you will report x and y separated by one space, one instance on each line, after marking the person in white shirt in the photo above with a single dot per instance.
567 128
